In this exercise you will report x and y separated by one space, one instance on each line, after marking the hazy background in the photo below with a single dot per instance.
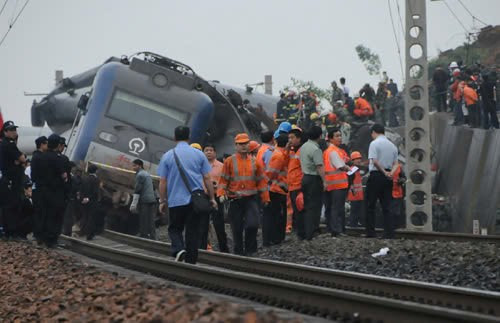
236 42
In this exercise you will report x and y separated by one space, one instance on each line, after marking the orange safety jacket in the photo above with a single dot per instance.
294 171
277 171
335 179
260 154
362 108
470 96
242 177
397 190
356 190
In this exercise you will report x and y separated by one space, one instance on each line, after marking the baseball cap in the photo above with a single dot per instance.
241 138
62 141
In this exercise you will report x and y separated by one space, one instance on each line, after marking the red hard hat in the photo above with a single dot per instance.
299 201
332 117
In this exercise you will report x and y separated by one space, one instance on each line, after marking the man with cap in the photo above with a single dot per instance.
41 147
51 179
89 194
11 182
294 178
241 180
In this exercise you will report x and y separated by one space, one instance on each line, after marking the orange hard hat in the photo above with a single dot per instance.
241 138
355 155
253 146
299 201
332 117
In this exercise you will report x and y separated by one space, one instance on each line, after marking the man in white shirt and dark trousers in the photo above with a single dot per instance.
383 156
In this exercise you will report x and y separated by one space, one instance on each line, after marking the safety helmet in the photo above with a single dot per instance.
285 127
196 145
314 116
453 65
253 146
276 134
355 155
332 117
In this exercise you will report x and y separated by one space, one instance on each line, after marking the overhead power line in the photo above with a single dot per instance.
3 7
470 13
13 23
397 41
456 17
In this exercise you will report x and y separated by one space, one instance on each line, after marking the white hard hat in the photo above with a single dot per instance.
453 65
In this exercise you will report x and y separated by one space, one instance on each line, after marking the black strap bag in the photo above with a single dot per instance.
199 199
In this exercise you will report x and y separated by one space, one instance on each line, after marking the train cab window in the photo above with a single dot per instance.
145 114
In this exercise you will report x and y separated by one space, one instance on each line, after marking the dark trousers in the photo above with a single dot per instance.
312 187
183 219
278 207
490 115
336 222
90 213
459 115
441 99
356 214
53 215
147 215
217 217
39 214
298 216
71 215
244 217
379 187
474 115
397 214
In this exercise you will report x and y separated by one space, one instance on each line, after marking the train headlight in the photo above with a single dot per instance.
160 80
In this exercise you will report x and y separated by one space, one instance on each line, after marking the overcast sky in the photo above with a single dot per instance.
234 41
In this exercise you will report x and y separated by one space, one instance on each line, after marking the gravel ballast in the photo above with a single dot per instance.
44 285
465 264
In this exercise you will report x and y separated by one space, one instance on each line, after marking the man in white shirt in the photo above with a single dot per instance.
383 156
344 87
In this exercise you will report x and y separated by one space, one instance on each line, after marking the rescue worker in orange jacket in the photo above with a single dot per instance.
335 160
398 182
468 97
294 179
266 149
241 181
274 221
355 194
362 108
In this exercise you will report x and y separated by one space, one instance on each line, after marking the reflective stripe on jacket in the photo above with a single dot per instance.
356 190
277 171
335 179
294 172
242 177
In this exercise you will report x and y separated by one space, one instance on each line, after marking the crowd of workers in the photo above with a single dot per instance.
469 93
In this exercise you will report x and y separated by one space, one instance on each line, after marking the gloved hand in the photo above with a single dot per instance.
223 199
135 202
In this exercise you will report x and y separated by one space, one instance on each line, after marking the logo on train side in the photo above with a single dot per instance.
136 146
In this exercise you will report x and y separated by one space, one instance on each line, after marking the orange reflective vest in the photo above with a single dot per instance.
242 177
335 179
397 190
356 190
294 171
260 154
277 171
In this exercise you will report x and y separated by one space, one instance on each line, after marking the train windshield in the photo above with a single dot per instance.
145 114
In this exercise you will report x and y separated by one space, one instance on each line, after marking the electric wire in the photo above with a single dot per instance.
456 17
400 18
470 13
397 41
13 12
3 7
13 23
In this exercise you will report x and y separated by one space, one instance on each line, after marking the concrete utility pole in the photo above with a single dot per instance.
268 84
417 136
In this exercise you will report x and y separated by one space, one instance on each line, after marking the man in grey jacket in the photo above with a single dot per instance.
144 202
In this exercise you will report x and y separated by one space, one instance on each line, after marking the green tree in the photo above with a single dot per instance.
370 60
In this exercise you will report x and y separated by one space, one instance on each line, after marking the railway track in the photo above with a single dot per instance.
310 290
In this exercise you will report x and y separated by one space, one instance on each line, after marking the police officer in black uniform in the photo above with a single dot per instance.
38 209
11 182
52 185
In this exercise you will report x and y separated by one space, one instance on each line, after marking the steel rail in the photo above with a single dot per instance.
320 301
426 293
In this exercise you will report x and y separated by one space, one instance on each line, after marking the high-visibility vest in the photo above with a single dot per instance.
294 171
260 154
356 190
335 179
242 177
397 190
277 171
